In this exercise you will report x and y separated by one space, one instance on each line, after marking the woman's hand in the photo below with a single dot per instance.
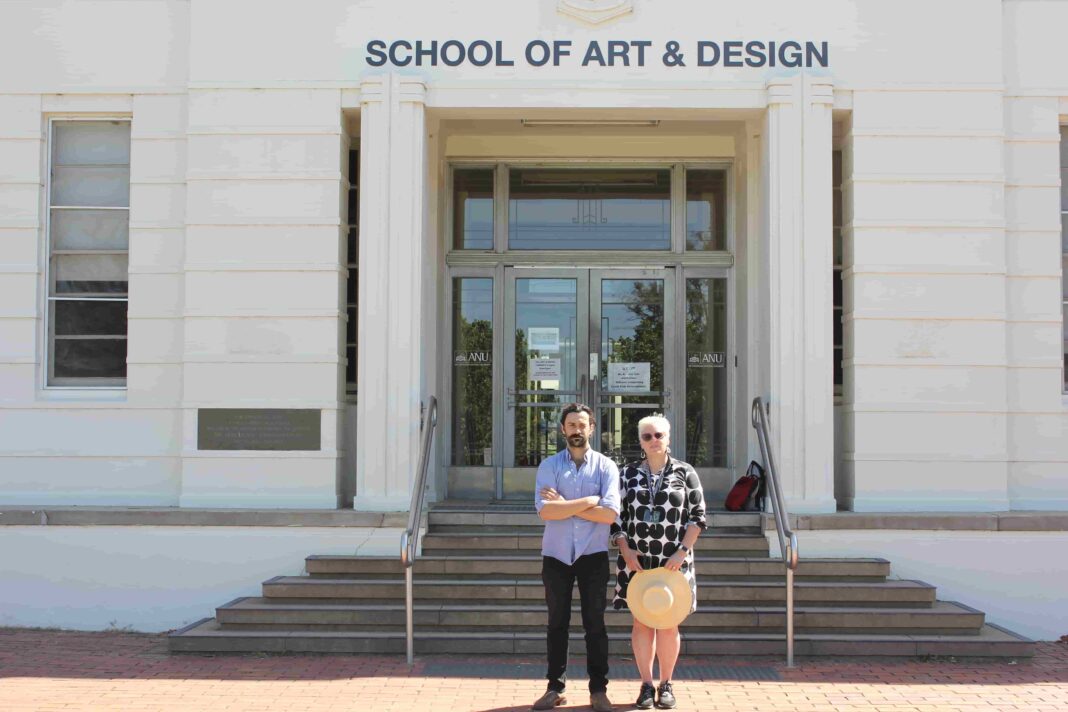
630 556
675 561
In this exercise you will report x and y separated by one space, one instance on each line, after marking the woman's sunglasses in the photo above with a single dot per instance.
649 436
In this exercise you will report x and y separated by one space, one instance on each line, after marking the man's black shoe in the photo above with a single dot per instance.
550 699
646 696
665 697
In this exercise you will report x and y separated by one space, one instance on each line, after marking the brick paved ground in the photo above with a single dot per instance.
62 670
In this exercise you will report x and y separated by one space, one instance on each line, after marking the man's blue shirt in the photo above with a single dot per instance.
568 539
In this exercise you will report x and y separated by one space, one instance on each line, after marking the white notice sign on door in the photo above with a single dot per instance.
543 338
628 376
544 369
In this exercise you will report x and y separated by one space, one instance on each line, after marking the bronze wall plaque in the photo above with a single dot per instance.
259 429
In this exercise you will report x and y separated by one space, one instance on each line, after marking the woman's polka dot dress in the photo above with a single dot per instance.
680 502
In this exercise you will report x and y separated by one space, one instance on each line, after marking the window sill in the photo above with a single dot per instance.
69 394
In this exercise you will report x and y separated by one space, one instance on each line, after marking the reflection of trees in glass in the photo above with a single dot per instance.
472 392
537 434
645 303
706 388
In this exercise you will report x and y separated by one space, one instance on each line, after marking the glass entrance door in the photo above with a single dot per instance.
596 336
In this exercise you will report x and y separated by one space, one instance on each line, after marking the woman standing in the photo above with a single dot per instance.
661 515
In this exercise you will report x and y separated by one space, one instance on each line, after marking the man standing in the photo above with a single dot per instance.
577 494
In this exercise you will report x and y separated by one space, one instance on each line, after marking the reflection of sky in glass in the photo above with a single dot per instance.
549 303
705 209
625 304
478 224
580 209
476 301
473 209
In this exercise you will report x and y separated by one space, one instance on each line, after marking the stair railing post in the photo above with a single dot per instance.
409 541
787 538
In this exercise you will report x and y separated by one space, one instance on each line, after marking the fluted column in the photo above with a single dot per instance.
798 154
392 207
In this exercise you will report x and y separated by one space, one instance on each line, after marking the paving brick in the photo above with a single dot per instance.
43 670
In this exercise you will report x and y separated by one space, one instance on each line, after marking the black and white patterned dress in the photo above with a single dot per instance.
679 502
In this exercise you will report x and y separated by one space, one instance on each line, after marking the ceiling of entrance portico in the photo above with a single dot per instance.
584 114
507 121
498 126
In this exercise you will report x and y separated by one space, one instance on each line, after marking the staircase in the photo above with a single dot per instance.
478 590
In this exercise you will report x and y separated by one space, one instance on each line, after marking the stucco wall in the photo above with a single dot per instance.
156 578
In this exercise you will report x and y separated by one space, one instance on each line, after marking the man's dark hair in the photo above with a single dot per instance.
575 408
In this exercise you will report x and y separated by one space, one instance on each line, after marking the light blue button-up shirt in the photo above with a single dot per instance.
568 539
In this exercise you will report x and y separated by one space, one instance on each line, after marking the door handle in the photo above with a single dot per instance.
595 378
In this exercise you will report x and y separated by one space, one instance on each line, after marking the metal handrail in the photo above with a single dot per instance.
787 538
409 542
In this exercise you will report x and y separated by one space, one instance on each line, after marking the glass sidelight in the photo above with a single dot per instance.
472 372
707 372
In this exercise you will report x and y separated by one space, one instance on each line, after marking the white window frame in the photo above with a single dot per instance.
1063 131
352 267
47 347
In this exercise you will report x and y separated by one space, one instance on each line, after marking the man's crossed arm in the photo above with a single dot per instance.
554 506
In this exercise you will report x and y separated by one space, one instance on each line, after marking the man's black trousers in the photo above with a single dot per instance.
559 578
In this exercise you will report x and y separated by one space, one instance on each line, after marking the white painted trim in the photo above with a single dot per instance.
889 504
254 500
1039 505
820 505
369 503
97 498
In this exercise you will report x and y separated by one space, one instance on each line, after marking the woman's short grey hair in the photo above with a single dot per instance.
657 420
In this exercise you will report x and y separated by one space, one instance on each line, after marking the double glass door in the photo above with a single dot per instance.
597 336
627 342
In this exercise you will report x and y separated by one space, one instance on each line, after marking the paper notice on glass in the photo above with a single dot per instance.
543 338
544 369
628 376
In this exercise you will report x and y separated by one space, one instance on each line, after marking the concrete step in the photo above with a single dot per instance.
914 594
471 540
447 520
528 565
207 636
269 614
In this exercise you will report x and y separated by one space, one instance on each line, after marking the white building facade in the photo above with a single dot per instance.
237 263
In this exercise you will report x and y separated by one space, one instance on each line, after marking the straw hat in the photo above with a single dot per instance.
659 598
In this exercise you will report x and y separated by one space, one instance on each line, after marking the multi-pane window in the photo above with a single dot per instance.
353 260
89 238
589 209
836 220
1064 254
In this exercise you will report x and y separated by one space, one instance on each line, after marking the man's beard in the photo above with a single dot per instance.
576 440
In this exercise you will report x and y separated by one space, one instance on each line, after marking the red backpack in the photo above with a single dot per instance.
748 492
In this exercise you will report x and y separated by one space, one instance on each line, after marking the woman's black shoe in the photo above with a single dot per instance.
665 697
646 696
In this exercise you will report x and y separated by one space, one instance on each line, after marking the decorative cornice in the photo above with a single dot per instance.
595 12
